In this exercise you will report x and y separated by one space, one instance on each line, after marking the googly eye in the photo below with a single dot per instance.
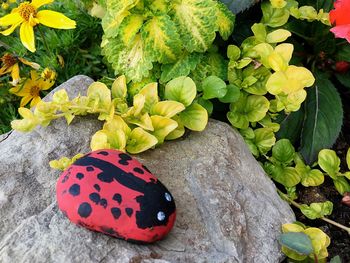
160 216
168 197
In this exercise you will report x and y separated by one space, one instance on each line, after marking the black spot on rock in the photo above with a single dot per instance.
118 198
95 197
97 187
90 168
103 202
124 158
103 153
138 170
84 210
129 211
74 190
144 167
80 176
116 212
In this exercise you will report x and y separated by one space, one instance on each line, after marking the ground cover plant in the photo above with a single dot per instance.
277 72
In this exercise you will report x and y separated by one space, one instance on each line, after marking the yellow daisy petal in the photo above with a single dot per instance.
21 91
5 70
35 101
27 36
39 3
31 64
25 100
10 19
12 28
55 20
45 85
34 75
15 74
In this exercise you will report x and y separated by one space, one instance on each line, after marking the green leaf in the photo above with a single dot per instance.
167 108
206 104
132 60
310 177
323 119
317 210
287 176
129 28
181 89
259 31
161 39
336 259
140 141
150 91
162 127
277 36
182 67
251 108
224 20
195 22
213 87
274 17
295 120
60 97
283 151
117 11
297 241
211 63
344 79
99 95
195 117
264 139
329 162
178 132
343 53
341 184
232 94
233 52
119 88
348 158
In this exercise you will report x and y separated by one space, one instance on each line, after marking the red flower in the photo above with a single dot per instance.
340 17
342 66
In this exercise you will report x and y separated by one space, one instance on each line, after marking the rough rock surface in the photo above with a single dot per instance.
228 210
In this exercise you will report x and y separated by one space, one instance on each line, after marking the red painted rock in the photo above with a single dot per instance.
110 192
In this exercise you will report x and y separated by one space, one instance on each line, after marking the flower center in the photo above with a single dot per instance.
34 91
26 11
8 60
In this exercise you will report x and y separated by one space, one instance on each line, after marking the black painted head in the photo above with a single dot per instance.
156 204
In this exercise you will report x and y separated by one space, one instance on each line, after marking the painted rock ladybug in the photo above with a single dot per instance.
110 192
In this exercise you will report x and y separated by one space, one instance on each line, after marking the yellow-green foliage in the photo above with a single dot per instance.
138 34
133 127
319 240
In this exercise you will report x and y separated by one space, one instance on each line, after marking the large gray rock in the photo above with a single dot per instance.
227 208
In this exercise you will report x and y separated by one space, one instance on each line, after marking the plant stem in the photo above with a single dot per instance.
297 205
44 40
4 45
336 224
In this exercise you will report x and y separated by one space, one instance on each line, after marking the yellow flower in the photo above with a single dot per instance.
31 89
9 64
27 16
49 74
5 6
